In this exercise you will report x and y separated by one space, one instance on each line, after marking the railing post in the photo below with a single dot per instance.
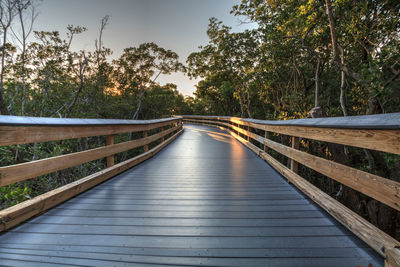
266 136
294 165
392 257
248 130
162 130
146 147
110 142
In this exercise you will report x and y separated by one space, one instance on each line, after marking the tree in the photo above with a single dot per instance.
138 68
229 55
23 7
7 14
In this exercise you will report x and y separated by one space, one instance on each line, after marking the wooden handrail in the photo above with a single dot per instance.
20 134
24 171
376 132
22 130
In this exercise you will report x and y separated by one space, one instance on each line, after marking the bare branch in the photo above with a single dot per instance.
7 14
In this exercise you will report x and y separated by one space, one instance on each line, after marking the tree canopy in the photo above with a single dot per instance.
340 56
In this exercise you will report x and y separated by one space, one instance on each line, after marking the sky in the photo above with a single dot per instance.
179 25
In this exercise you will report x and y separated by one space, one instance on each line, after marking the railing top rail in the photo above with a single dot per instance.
6 120
390 121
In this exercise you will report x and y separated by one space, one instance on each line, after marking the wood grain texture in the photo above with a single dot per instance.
146 147
210 122
20 172
392 257
109 142
16 214
266 136
14 135
294 165
380 140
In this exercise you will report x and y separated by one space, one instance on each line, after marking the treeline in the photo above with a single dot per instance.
44 77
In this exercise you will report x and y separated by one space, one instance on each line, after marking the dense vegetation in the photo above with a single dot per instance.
309 59
301 59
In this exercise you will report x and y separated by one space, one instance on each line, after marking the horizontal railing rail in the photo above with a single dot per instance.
376 132
24 130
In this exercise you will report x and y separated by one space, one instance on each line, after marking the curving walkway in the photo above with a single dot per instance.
204 200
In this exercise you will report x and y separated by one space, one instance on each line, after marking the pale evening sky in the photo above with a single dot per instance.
179 25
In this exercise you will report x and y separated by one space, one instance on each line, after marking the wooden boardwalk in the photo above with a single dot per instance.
204 200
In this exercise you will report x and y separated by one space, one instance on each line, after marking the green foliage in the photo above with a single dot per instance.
227 66
11 195
273 68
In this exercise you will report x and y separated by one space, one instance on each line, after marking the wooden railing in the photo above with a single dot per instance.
377 132
23 130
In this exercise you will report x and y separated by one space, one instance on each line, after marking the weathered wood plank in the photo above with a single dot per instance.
134 230
110 159
266 136
376 121
107 259
146 146
294 165
16 173
392 257
210 122
27 209
14 135
191 252
381 140
162 138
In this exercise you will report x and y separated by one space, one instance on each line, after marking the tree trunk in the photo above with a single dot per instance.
81 77
23 100
342 86
139 105
248 103
332 27
3 107
241 105
317 71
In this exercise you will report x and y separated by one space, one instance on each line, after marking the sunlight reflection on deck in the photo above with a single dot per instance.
238 180
236 151
223 137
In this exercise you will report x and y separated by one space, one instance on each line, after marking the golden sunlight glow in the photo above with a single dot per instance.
112 91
